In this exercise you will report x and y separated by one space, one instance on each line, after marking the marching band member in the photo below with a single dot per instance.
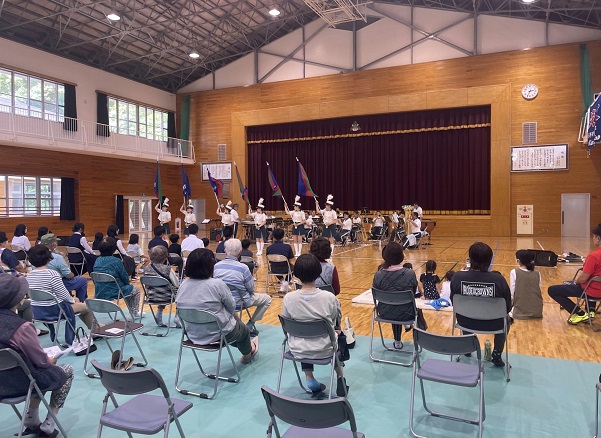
417 209
298 230
357 224
164 214
235 218
226 216
260 219
347 226
309 226
415 228
376 230
189 216
330 219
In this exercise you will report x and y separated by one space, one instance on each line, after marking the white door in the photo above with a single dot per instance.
139 212
575 214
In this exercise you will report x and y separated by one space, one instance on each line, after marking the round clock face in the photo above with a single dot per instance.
529 91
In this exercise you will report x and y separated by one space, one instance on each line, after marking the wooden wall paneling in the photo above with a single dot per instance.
447 99
407 102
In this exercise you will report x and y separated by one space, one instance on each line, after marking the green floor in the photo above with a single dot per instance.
545 398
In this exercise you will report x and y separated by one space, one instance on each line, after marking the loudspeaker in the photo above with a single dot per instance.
544 258
215 234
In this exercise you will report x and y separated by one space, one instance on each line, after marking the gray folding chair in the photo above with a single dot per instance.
145 413
393 298
42 296
308 329
240 306
220 256
598 389
585 299
483 309
276 258
78 267
101 277
310 417
447 372
10 360
194 316
148 283
113 330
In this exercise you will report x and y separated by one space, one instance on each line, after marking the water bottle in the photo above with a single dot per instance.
487 351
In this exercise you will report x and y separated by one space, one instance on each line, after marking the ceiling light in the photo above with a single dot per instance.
274 12
113 17
528 1
194 55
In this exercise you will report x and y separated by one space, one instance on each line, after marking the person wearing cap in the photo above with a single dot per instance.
47 280
8 261
260 219
330 219
298 229
189 216
73 282
20 335
226 215
164 214
78 240
235 218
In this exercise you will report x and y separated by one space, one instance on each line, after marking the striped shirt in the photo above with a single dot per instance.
236 275
48 280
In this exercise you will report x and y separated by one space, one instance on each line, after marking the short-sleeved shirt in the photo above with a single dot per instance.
9 260
430 281
592 266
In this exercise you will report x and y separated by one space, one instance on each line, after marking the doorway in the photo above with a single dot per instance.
575 214
139 215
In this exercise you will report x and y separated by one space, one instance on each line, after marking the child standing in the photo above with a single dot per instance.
446 286
525 286
430 282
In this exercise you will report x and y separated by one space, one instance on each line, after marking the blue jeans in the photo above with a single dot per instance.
79 285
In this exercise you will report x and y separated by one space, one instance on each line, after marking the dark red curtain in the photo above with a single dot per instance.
439 169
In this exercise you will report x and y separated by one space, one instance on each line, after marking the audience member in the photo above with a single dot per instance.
8 261
20 238
206 241
192 242
175 247
159 267
71 281
445 291
246 252
128 262
430 282
320 248
135 250
228 232
159 237
42 231
78 240
278 247
525 284
98 238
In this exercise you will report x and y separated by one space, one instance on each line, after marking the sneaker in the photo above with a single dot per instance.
398 345
576 319
41 332
284 287
496 359
591 314
139 314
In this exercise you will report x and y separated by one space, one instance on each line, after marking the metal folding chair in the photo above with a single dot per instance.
78 267
240 306
585 299
447 372
310 417
148 283
144 414
393 298
42 296
220 256
194 316
483 309
101 277
9 360
598 389
276 258
308 329
113 330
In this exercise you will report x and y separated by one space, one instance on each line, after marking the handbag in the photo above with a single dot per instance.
80 343
421 321
349 332
344 353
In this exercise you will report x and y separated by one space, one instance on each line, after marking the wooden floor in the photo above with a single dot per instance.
550 337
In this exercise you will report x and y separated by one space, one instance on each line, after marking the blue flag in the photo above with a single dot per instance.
186 189
594 128
216 185
158 189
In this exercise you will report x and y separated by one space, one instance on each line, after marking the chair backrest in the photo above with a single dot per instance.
196 316
101 277
17 248
73 250
327 287
133 254
173 254
395 298
154 281
246 259
309 414
40 295
307 329
448 345
220 256
10 359
132 382
276 258
185 254
103 306
480 308
593 280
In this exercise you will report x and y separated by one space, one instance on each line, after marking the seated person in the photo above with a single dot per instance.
591 268
202 292
159 237
42 231
430 282
135 249
228 232
8 262
376 229
280 248
47 280
175 247
415 229
128 262
347 226
192 242
78 240
107 264
479 282
248 253
77 283
160 267
206 241
393 276
445 290
310 304
98 236
526 285
321 249
399 230
20 336
240 281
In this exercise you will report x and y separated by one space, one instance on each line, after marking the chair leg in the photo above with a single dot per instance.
179 426
300 380
138 364
58 424
597 414
412 404
281 366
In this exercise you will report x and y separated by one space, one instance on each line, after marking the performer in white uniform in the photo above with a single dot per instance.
330 219
189 216
417 209
415 228
298 229
235 218
164 215
347 226
357 224
226 216
260 219
376 229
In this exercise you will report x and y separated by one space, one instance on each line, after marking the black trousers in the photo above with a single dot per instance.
561 294
493 324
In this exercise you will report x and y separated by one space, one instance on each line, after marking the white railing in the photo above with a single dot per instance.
92 136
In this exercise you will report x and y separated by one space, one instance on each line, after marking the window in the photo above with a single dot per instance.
31 96
129 118
29 196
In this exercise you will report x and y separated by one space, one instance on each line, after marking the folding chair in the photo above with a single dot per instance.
483 309
145 413
148 283
20 253
220 256
78 267
10 360
240 306
447 372
276 258
101 277
310 417
598 389
194 316
114 330
585 299
42 296
393 298
308 329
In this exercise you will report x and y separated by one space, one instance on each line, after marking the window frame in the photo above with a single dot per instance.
16 198
144 125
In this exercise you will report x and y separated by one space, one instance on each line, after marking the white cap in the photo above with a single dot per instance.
297 200
330 200
229 205
166 202
260 203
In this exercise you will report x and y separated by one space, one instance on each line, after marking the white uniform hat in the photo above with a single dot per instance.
330 200
297 200
260 203
229 205
190 205
166 202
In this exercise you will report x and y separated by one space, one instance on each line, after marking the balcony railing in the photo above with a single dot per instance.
95 138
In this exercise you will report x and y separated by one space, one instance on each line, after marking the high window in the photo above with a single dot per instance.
29 196
134 119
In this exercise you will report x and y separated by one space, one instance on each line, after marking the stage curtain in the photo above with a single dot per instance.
443 163
67 207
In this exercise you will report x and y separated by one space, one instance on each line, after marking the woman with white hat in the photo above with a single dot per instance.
189 216
164 214
298 228
330 219
260 219
226 215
